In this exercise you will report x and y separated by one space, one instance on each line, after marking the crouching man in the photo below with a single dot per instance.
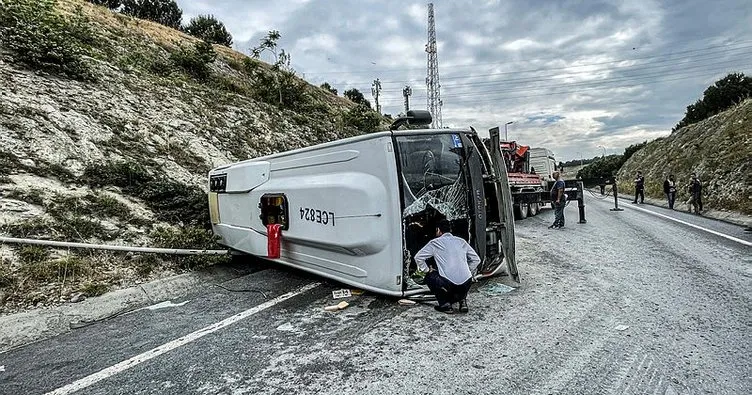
455 261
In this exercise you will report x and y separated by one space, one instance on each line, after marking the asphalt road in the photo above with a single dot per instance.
629 303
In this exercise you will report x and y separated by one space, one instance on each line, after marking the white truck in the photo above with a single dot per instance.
357 210
543 161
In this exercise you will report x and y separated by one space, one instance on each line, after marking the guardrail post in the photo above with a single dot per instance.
581 201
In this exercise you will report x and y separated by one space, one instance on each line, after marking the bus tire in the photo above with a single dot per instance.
524 208
533 210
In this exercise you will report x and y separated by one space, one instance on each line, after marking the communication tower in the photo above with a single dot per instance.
432 79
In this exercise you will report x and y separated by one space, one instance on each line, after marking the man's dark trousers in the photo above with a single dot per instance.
445 290
639 192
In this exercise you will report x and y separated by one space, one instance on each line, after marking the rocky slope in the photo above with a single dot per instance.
718 149
121 156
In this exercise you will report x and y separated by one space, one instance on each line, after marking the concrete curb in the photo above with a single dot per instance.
23 328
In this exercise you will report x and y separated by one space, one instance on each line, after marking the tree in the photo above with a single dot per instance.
209 29
356 97
195 61
362 118
165 12
328 87
281 82
111 4
629 151
726 92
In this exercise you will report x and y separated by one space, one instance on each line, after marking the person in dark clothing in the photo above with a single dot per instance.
639 183
695 193
456 261
669 188
559 200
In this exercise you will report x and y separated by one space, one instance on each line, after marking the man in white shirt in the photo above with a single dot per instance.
455 261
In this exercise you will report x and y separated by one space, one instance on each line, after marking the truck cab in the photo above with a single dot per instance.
357 210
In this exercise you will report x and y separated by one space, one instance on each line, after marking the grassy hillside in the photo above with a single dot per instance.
108 126
718 149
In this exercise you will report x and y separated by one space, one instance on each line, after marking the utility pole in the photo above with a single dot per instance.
433 86
406 92
375 90
506 135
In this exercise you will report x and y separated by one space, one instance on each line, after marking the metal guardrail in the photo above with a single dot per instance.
64 244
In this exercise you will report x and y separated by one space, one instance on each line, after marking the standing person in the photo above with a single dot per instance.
456 261
559 199
695 193
639 188
669 188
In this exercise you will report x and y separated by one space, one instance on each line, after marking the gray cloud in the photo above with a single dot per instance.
572 75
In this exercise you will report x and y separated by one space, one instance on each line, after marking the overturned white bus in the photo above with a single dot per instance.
356 210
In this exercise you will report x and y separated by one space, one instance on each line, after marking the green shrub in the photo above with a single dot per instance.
195 61
209 29
31 254
32 196
362 118
31 227
6 276
165 12
90 288
170 200
76 227
188 238
111 4
42 39
279 84
125 175
56 270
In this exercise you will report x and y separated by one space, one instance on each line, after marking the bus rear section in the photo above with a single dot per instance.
335 202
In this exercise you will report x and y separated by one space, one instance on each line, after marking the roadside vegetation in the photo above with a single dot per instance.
134 197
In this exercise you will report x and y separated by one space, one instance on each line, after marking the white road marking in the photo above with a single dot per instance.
155 352
732 238
165 305
2 368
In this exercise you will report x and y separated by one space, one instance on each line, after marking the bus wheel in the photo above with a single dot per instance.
533 210
524 208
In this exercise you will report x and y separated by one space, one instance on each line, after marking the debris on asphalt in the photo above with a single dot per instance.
336 307
622 328
79 297
2 368
357 292
341 293
496 289
407 302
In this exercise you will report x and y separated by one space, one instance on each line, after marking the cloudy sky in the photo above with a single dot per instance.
579 77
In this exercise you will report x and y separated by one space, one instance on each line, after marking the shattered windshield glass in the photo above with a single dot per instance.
431 171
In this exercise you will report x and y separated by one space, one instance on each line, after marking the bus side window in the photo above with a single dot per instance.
274 210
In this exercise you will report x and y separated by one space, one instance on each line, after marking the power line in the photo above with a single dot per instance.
636 77
534 60
644 66
487 99
495 98
536 78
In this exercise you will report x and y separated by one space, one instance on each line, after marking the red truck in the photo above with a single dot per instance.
529 185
